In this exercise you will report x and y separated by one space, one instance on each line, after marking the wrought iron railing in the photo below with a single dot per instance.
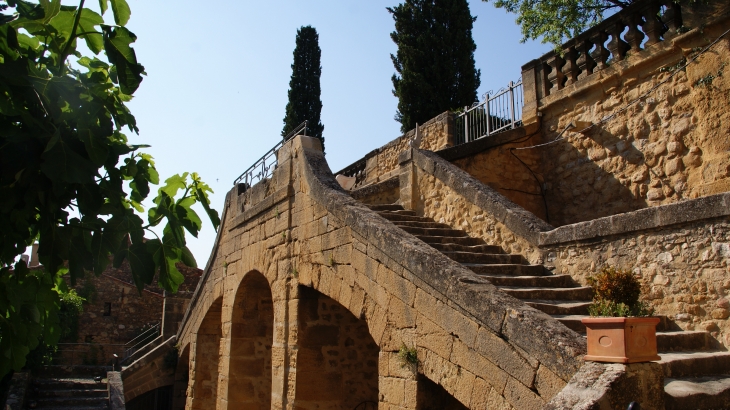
498 112
264 167
141 340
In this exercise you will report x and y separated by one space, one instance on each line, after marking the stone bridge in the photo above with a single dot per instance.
312 300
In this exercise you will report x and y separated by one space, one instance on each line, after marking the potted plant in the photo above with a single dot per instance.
619 329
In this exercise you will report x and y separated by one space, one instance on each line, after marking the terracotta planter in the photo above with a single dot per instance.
621 339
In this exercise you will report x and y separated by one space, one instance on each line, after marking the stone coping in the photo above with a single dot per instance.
690 210
115 388
541 234
372 189
537 334
482 144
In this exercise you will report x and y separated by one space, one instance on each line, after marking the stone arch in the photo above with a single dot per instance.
432 396
251 339
337 358
207 355
182 376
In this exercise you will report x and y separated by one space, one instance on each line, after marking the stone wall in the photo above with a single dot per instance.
495 162
681 251
159 370
477 343
382 164
645 149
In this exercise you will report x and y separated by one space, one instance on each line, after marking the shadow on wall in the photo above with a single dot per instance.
583 177
337 361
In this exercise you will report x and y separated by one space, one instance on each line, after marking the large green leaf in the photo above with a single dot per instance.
50 9
121 12
62 163
87 23
117 42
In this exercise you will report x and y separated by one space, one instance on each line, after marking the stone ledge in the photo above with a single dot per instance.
266 203
691 210
115 389
481 144
372 189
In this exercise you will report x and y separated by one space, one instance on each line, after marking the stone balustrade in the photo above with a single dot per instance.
633 29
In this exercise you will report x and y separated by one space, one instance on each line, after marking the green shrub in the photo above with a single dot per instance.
616 293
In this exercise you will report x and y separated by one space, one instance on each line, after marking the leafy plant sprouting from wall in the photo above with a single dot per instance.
408 356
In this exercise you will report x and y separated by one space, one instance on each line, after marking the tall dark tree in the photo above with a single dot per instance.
304 90
435 59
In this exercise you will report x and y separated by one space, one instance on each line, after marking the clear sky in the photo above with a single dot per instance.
217 79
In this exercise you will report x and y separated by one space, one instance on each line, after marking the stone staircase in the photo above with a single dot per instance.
696 369
67 394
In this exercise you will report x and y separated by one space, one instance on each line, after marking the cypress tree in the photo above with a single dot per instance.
435 59
304 90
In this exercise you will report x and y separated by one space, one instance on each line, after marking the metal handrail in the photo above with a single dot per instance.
264 167
141 340
499 112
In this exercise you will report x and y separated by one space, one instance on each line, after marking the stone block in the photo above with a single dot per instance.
501 353
520 397
469 359
400 315
547 383
433 337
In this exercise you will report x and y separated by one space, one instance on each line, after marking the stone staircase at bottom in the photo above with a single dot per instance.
696 369
67 393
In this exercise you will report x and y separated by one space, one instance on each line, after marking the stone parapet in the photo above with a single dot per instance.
154 369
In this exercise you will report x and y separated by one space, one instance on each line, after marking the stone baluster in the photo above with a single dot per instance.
570 69
545 79
652 27
672 18
556 76
634 36
584 62
617 46
600 53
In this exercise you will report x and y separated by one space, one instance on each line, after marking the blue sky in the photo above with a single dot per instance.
217 79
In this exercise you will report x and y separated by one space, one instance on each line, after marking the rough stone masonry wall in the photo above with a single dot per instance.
494 162
477 343
681 251
669 146
382 164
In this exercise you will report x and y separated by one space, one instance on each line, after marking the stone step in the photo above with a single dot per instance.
453 247
435 231
77 384
695 364
679 341
420 224
70 393
507 269
461 240
581 293
54 402
399 217
385 207
704 393
559 307
399 212
486 258
556 281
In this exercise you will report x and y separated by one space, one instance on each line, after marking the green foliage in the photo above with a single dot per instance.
616 293
304 89
435 59
68 176
557 20
88 290
70 307
407 355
